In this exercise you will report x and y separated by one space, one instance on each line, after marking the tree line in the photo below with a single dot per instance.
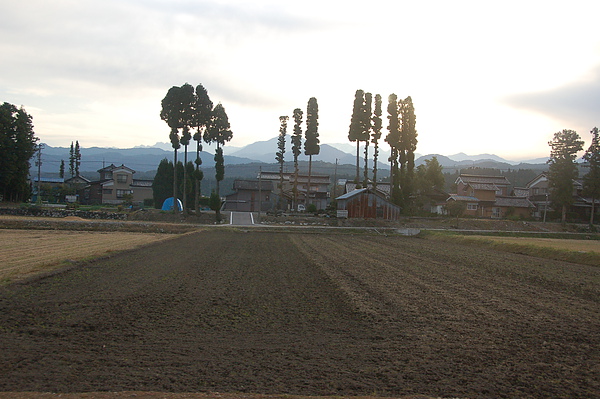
17 145
311 145
187 110
365 127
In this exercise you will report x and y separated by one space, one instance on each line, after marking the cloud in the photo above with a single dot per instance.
577 104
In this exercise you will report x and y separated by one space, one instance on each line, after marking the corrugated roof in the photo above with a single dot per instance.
351 194
466 198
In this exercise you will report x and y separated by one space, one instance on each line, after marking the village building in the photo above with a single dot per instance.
249 196
366 203
116 183
318 194
489 197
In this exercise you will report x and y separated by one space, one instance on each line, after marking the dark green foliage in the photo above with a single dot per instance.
279 156
17 146
219 165
311 143
61 170
202 114
367 134
219 130
297 148
77 158
162 186
393 139
408 145
591 181
358 125
72 160
376 135
563 169
214 202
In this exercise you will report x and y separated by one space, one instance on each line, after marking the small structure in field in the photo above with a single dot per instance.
367 203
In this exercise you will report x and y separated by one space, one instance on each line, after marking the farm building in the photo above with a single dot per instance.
248 195
366 203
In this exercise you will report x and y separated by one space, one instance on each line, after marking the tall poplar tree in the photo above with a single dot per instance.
296 149
563 169
393 139
77 157
279 156
408 145
357 127
171 114
72 160
219 132
202 114
376 135
187 100
591 181
366 136
311 143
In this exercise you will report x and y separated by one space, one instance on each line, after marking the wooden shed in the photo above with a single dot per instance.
366 203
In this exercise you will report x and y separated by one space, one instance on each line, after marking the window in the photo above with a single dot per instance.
471 207
107 191
121 178
121 193
496 212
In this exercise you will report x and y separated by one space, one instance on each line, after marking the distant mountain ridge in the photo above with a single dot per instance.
147 158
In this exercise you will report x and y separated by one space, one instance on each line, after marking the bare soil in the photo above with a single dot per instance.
306 314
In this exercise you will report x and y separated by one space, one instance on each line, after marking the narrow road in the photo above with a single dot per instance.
241 219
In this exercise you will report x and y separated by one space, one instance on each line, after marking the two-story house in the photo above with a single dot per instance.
489 197
115 184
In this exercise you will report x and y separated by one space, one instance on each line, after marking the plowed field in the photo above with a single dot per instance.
307 314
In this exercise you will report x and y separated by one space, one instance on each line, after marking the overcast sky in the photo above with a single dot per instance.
485 77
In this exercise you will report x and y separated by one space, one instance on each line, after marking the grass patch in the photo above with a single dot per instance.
575 248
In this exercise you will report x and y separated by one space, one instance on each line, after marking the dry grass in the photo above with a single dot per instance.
26 252
555 243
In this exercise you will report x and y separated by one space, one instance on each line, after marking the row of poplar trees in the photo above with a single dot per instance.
190 115
311 144
365 127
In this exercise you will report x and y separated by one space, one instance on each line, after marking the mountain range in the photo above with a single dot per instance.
146 158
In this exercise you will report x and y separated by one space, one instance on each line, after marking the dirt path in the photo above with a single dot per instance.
307 314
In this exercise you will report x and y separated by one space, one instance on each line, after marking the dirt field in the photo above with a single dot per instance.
307 314
24 252
556 243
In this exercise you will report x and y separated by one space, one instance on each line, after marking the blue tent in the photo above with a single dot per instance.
168 204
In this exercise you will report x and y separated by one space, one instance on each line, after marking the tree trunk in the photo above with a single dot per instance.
593 210
308 186
366 173
564 214
357 161
175 204
185 178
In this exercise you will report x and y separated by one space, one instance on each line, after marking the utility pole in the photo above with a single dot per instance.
38 163
259 191
335 179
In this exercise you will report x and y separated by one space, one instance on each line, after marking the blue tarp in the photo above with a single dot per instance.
168 204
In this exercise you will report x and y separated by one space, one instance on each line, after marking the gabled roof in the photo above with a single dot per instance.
539 178
481 179
465 198
515 202
484 186
240 184
520 192
351 194
384 188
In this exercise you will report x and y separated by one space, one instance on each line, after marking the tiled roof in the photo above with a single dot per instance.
141 183
521 192
484 186
515 202
466 198
266 185
499 180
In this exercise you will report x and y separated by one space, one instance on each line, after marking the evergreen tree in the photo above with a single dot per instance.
162 185
376 135
393 139
61 170
188 100
408 145
563 169
72 160
171 113
358 129
17 146
366 136
202 114
591 181
296 149
219 132
279 156
77 158
311 143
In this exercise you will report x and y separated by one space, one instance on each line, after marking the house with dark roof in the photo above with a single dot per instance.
366 203
115 184
250 196
489 197
318 193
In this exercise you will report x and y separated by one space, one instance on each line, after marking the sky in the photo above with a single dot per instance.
484 77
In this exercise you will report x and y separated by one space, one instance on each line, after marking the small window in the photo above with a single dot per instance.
471 207
121 178
107 191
